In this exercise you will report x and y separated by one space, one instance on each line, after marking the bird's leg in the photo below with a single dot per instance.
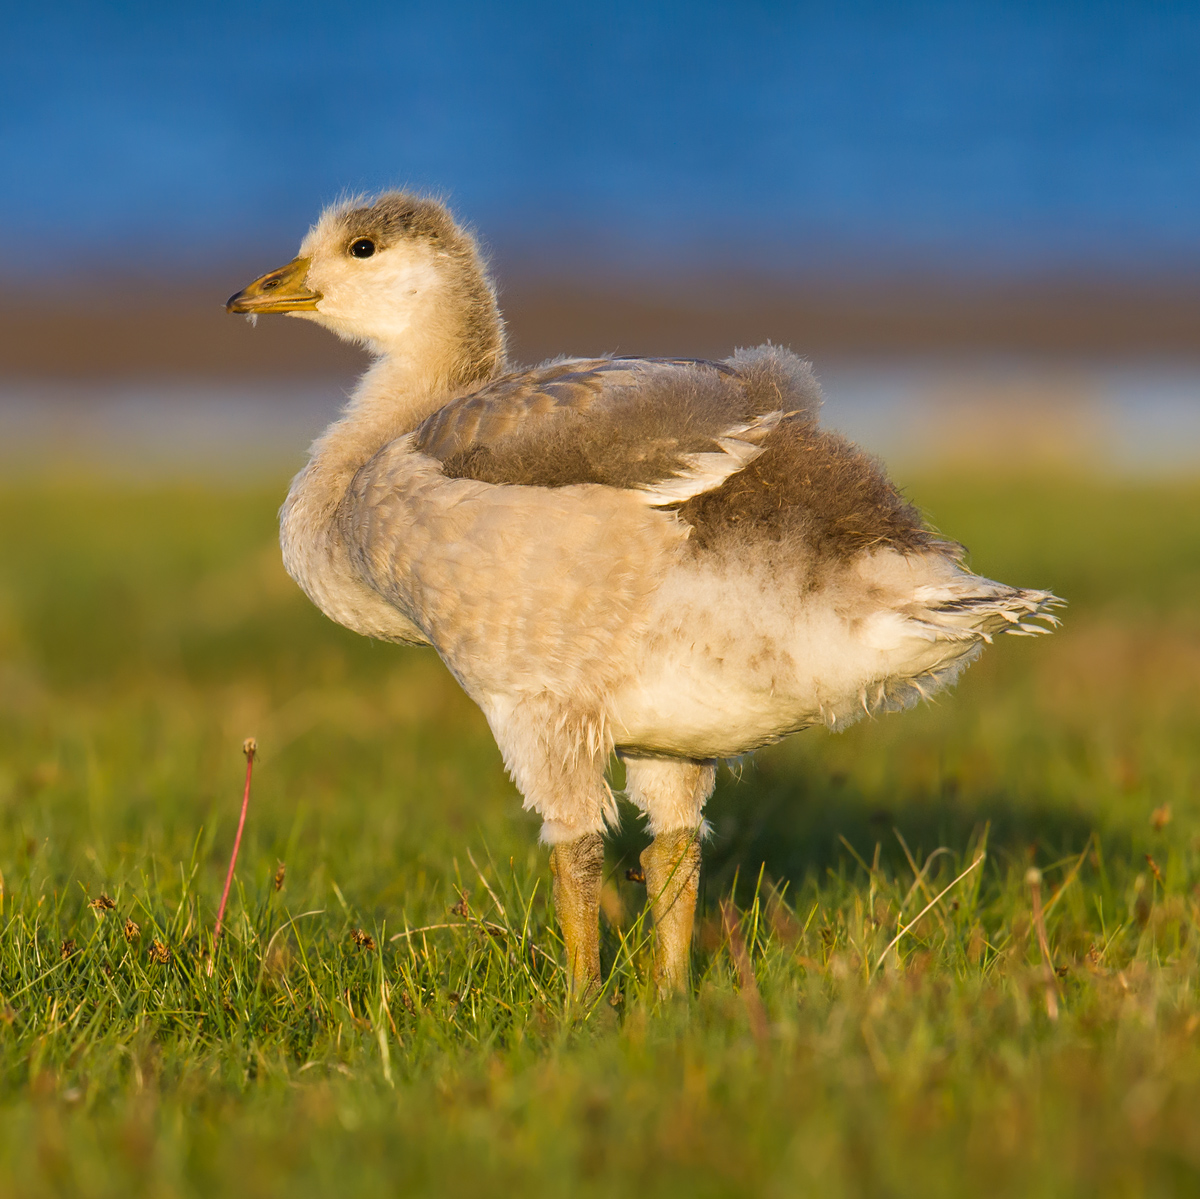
671 864
578 869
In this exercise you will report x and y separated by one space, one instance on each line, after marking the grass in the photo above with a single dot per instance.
329 1047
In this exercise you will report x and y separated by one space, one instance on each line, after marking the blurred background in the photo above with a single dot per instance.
980 220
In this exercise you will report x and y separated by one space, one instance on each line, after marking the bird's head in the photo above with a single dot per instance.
397 274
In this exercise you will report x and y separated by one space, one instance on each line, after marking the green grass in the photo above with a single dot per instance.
144 633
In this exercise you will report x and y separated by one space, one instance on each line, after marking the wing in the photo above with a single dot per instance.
670 428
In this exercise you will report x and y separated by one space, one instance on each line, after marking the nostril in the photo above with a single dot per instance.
270 284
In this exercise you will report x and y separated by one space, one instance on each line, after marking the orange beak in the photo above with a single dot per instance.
282 290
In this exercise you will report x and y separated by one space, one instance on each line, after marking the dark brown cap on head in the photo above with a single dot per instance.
396 216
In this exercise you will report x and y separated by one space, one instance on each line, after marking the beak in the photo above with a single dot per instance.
282 290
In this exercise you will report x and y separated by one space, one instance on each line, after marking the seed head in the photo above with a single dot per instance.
280 872
67 949
131 930
159 953
362 939
102 904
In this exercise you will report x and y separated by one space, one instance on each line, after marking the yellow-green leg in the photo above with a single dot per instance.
578 869
671 864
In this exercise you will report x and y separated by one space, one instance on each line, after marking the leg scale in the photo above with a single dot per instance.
671 864
578 869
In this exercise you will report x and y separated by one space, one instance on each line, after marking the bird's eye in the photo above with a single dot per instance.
362 247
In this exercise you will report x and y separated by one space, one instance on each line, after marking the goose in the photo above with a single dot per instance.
668 559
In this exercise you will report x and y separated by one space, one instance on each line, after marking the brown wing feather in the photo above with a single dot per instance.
624 422
499 409
632 422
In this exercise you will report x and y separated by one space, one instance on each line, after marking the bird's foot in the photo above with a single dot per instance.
578 869
671 864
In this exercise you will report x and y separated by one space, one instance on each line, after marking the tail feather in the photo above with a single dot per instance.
928 634
975 608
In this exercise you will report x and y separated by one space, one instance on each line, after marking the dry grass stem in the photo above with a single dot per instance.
747 983
1072 874
249 748
916 919
1034 878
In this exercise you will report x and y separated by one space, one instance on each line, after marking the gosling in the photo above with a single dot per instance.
666 558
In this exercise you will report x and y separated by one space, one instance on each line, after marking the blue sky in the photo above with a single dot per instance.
1004 137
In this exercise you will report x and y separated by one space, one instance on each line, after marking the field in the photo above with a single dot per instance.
386 1013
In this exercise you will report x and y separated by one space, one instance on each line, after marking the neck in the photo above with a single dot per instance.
392 398
453 355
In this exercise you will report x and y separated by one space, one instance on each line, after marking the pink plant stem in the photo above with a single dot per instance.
249 747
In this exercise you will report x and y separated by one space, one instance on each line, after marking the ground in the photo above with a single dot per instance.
386 1011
